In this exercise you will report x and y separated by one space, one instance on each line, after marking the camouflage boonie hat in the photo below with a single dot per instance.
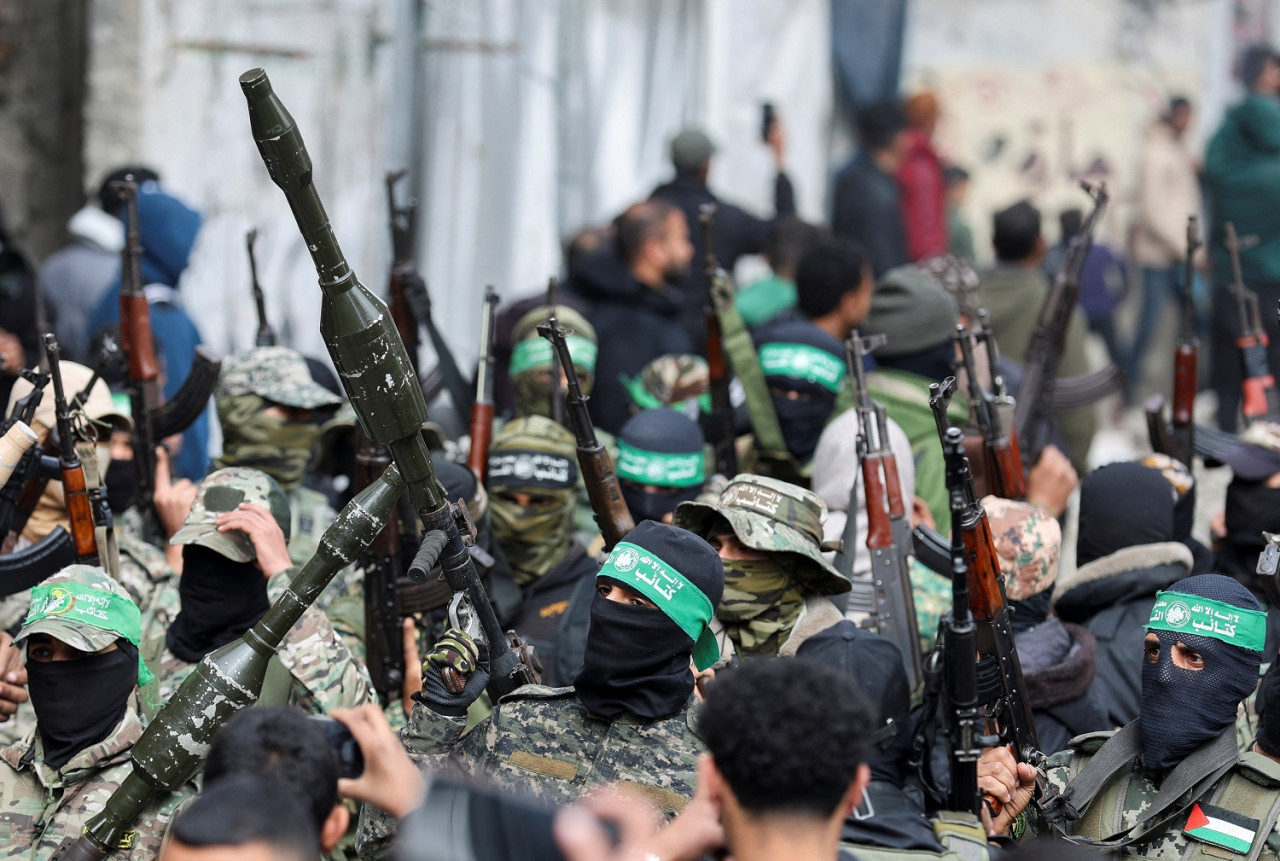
278 374
677 380
1028 542
83 607
222 491
773 516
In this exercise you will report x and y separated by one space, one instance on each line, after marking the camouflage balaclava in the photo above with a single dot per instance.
1183 708
252 381
530 367
532 455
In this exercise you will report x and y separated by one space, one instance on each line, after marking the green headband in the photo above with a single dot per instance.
670 591
647 400
804 362
534 354
659 468
1204 617
95 608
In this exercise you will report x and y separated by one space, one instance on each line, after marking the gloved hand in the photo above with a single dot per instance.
454 674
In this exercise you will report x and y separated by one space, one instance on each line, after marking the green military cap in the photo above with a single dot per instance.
222 491
83 607
773 516
277 374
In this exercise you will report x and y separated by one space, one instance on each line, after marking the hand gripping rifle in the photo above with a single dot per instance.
886 599
482 409
1260 397
1033 416
375 369
266 336
598 474
152 421
1002 461
721 424
407 289
1178 441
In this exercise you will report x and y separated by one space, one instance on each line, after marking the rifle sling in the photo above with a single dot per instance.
746 365
1186 783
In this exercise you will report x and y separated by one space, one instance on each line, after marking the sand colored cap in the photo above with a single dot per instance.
98 406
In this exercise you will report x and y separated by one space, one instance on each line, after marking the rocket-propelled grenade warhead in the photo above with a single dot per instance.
229 679
366 349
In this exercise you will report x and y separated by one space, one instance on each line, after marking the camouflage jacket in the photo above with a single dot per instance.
1251 789
311 515
322 674
542 741
40 806
143 568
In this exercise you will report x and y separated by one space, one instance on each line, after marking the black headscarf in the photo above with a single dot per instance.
221 600
1123 505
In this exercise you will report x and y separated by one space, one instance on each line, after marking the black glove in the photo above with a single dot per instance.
454 674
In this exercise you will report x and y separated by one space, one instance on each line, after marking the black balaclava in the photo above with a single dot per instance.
804 418
661 448
1123 505
1183 709
876 665
120 484
78 703
637 659
221 599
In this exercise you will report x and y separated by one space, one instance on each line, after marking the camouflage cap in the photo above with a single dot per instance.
222 491
672 380
83 607
99 405
278 374
1028 541
773 516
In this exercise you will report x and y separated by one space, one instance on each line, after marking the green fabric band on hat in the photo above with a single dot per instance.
95 608
669 590
534 354
804 362
1191 614
661 469
647 400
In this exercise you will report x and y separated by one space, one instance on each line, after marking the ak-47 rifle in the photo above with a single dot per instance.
1259 384
374 367
598 474
380 564
557 380
1034 412
721 425
1002 461
1178 440
12 516
886 598
266 336
482 409
75 490
408 288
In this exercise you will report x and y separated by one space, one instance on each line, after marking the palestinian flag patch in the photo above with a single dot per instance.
1221 827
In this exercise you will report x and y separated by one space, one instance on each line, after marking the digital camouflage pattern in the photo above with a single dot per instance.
40 806
279 374
1028 541
223 491
1121 804
319 672
773 516
541 741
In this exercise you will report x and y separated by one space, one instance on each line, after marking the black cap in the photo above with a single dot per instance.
874 663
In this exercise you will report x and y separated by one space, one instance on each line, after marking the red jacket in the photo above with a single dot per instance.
924 198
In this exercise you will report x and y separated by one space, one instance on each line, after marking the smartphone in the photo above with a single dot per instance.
767 120
350 757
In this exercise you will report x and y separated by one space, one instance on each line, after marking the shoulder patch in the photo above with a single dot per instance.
543 765
1218 826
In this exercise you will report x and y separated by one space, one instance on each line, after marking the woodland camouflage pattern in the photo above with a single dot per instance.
41 806
1027 541
541 741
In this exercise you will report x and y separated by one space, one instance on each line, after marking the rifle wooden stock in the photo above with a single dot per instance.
1011 480
75 489
482 407
892 483
481 439
879 532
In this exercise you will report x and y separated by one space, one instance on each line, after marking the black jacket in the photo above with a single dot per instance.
634 324
546 606
1112 597
867 208
736 233
1059 685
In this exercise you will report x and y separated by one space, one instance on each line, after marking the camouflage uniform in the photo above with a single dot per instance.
1251 789
542 741
41 806
313 669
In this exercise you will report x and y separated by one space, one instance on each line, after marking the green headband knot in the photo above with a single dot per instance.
1204 617
534 354
803 362
670 591
95 608
658 468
